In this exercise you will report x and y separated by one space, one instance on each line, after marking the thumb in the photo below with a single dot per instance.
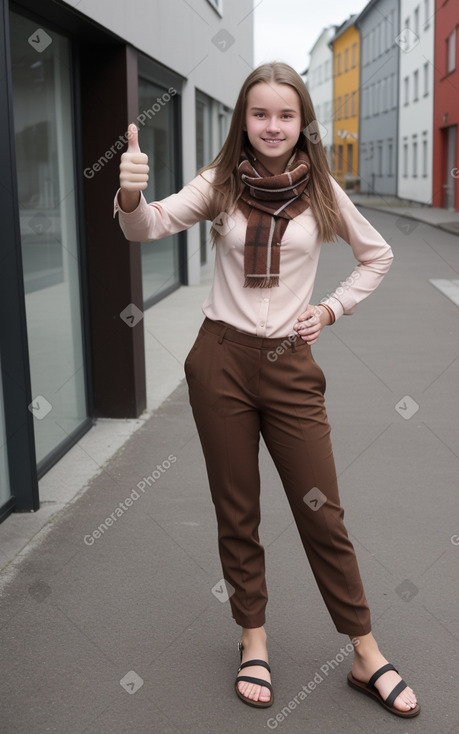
133 139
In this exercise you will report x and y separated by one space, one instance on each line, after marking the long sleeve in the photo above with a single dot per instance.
373 254
170 215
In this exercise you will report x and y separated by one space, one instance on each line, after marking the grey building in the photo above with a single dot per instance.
379 26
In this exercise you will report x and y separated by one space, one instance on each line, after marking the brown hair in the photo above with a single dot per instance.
226 183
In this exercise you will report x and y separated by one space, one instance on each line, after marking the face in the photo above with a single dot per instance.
273 123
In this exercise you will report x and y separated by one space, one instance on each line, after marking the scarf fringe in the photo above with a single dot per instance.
271 281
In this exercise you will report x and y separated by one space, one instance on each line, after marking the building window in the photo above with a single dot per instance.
354 55
379 169
424 155
451 52
384 95
415 158
353 110
406 85
426 79
218 5
338 111
390 154
426 13
340 158
405 160
224 120
338 64
415 85
346 106
46 180
394 91
416 20
350 154
203 154
160 260
378 96
389 92
346 59
5 491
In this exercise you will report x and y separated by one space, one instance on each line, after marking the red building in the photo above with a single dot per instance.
445 184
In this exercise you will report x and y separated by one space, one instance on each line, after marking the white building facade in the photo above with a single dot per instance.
320 86
416 100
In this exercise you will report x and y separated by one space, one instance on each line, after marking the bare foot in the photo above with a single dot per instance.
367 660
254 646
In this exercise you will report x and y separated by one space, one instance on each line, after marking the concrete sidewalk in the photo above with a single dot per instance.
437 217
125 628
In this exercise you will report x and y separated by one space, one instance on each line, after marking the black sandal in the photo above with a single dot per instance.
258 681
369 689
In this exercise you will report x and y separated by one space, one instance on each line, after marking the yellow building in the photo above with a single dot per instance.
346 63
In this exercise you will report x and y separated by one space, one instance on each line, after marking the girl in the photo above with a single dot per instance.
272 202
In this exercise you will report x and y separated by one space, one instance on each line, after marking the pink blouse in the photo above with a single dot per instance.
265 312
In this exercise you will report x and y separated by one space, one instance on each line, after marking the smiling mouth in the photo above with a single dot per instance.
273 140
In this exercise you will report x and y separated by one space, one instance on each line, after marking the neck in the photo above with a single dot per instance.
275 165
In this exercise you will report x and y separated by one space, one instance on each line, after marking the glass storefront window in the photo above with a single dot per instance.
43 123
160 260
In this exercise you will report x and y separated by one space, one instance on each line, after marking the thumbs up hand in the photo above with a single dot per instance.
133 172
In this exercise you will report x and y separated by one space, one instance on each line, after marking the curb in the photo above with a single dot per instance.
394 211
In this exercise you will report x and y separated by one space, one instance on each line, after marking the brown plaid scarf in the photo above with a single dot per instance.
269 202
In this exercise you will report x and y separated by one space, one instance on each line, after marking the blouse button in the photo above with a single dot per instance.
266 300
262 323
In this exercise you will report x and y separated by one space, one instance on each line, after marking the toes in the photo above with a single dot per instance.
254 692
406 701
265 694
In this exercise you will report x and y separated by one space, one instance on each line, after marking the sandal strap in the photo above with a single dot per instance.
378 674
258 681
248 663
395 692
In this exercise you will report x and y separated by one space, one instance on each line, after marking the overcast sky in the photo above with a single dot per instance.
286 30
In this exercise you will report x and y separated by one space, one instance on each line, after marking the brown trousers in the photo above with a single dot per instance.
239 387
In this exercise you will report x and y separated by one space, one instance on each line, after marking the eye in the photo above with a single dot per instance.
259 114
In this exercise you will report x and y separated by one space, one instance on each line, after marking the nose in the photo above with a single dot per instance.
273 124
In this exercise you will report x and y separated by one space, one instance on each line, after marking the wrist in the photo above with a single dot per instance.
128 200
330 316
